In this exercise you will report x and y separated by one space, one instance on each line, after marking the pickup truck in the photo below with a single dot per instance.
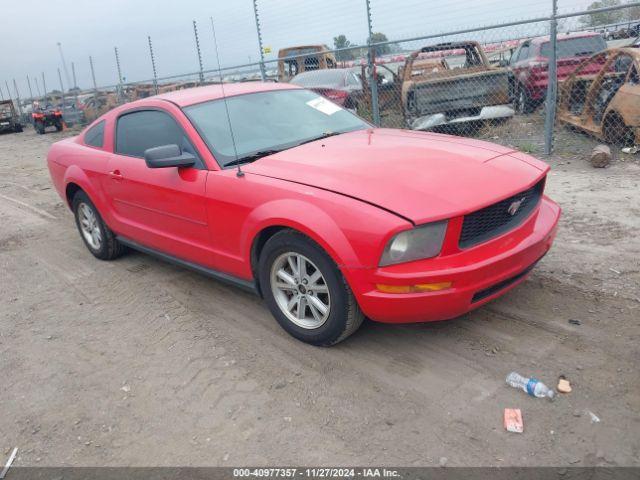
451 84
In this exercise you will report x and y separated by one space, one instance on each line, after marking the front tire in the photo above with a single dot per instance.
98 238
523 103
305 290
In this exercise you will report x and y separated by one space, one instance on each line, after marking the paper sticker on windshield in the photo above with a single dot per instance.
323 105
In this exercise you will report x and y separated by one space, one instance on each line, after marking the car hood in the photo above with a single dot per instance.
420 176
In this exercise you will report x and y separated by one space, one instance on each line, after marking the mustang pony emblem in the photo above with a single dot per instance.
515 206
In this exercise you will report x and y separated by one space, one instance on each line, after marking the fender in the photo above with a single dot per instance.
74 174
306 218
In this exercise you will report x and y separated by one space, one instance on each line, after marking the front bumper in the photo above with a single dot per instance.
479 274
440 119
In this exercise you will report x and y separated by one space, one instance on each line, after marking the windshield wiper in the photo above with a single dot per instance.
319 137
252 157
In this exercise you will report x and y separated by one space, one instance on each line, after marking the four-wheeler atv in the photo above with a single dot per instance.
9 119
48 116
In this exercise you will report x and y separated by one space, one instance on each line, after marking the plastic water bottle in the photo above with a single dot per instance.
532 386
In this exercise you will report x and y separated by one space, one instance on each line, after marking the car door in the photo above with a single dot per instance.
161 208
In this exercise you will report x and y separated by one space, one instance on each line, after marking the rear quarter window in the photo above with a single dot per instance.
94 137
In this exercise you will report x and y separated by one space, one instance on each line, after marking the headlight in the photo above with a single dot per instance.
421 242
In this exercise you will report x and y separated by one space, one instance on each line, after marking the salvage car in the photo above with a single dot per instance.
280 191
452 84
303 58
340 85
602 97
530 65
9 118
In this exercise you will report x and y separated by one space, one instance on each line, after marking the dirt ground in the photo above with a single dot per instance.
137 362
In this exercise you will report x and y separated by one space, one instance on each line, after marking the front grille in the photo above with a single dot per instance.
498 218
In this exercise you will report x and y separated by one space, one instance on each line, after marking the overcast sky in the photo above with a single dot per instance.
32 28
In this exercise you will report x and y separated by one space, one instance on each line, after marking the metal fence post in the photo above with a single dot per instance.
153 65
95 85
75 84
263 73
30 91
120 88
195 33
373 81
61 88
552 89
15 86
44 88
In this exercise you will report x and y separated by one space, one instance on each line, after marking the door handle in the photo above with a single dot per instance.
116 175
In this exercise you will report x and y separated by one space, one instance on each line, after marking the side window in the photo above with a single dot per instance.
524 52
352 79
95 135
515 55
138 131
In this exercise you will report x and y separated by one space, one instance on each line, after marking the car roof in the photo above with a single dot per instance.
191 96
565 36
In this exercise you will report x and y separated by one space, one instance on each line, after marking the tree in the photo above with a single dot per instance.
378 37
341 42
602 18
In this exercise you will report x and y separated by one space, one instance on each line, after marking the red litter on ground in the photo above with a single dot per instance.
513 420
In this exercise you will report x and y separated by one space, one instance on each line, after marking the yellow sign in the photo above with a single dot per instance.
266 50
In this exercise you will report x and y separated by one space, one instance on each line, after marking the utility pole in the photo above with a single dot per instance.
38 87
30 91
44 87
73 72
95 85
61 88
64 64
15 86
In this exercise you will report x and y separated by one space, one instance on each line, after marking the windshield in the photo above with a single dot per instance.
466 56
575 47
267 122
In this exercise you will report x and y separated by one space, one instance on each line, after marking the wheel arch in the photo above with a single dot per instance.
302 217
75 179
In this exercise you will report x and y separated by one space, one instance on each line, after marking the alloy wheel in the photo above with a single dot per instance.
89 226
300 290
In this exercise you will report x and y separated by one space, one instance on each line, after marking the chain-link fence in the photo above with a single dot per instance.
528 83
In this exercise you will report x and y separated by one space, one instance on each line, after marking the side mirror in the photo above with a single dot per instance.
168 156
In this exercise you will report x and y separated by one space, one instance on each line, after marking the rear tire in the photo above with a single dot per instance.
95 234
309 298
39 128
58 127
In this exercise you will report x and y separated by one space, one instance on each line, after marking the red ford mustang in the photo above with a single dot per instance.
284 193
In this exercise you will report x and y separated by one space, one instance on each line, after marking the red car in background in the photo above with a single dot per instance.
278 190
529 65
340 85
